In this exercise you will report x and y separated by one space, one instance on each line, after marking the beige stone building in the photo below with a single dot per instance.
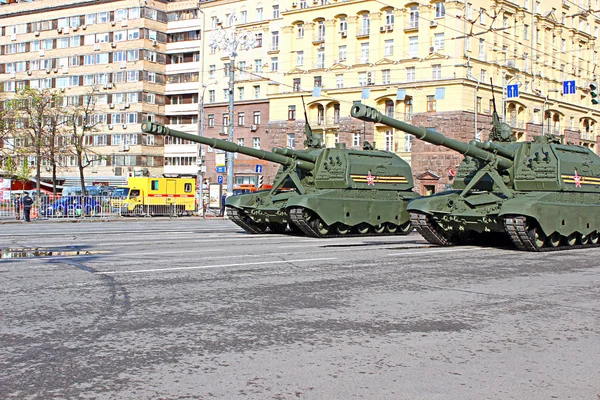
428 62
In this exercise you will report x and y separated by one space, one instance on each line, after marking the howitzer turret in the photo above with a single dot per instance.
321 192
542 195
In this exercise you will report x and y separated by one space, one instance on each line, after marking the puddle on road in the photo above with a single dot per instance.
35 252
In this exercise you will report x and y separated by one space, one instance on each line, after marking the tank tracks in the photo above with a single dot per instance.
516 228
236 217
297 217
429 230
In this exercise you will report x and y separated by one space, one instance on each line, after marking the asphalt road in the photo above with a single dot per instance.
194 309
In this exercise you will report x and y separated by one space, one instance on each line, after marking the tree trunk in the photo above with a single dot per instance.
38 175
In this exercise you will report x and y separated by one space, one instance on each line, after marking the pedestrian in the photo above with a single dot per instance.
223 204
27 204
17 203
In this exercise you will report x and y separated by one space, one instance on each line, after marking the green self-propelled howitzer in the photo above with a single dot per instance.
321 192
543 195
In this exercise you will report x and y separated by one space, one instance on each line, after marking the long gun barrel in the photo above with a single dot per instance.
294 153
369 114
158 129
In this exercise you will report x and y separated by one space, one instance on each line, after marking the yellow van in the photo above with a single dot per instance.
155 196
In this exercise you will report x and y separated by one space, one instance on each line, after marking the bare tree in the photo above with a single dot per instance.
82 122
33 110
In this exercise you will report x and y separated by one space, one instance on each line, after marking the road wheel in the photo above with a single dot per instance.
391 227
342 229
584 239
138 211
572 239
554 239
363 228
594 237
379 229
537 236
319 226
406 228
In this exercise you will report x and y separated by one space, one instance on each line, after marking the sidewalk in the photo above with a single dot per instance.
111 218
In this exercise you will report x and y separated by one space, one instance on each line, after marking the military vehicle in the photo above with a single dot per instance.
321 192
542 195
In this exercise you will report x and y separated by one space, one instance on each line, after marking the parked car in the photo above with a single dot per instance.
72 206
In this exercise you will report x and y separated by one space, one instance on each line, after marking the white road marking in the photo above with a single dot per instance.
215 266
432 251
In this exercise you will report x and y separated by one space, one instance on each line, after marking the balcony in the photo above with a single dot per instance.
318 38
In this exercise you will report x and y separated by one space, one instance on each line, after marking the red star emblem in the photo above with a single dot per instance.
577 179
370 179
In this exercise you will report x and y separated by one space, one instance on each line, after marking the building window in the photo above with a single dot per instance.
211 96
385 76
211 120
318 81
240 141
389 108
256 118
256 92
389 18
364 53
256 143
343 25
259 14
274 64
413 46
410 74
436 71
356 139
482 16
275 11
408 142
241 119
479 100
259 39
321 31
241 93
291 140
275 41
362 79
431 103
211 71
339 81
342 53
300 30
438 41
297 85
336 113
482 76
291 113
440 10
388 49
365 24
320 59
413 17
299 58
389 140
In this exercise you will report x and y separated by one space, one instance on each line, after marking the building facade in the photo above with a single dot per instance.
430 63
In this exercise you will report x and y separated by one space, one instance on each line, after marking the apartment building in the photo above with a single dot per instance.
140 61
432 64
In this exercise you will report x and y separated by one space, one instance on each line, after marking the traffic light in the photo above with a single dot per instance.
594 92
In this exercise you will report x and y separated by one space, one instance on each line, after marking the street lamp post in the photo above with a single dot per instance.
200 163
230 40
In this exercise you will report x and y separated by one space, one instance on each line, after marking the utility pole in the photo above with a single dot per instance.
230 40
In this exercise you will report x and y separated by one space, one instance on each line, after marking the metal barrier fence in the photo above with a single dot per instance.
70 207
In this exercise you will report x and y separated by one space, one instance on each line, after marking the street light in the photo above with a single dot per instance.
230 40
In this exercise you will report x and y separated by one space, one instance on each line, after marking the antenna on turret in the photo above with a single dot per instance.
500 131
311 139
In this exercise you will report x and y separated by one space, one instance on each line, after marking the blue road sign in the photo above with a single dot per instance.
569 87
258 169
219 178
220 169
512 91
